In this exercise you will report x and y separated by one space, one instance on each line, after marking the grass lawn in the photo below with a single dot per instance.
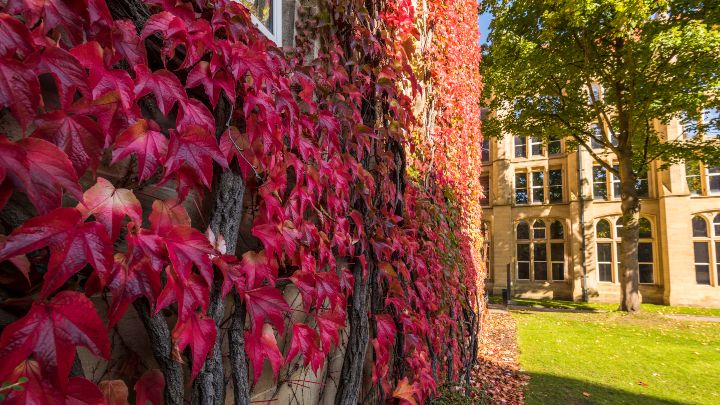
615 358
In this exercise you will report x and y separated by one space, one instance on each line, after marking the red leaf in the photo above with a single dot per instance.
83 392
305 342
257 268
405 391
65 68
150 388
14 166
114 391
187 246
127 42
194 113
51 332
164 85
190 294
77 135
330 324
50 172
38 390
110 205
145 140
166 215
19 90
128 284
193 149
199 332
103 80
385 329
260 345
212 82
73 244
266 303
14 37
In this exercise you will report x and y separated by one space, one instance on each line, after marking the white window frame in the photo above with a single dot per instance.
276 34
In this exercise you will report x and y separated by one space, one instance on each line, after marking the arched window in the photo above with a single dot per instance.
536 254
699 227
557 231
523 231
608 244
602 229
706 248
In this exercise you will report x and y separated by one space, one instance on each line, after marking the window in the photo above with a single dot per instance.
692 175
597 134
485 193
616 183
605 240
521 188
600 183
713 179
554 147
538 187
485 150
555 187
540 258
595 93
520 147
267 16
485 230
706 247
536 147
711 123
641 184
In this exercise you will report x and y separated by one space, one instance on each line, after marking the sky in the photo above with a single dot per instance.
483 22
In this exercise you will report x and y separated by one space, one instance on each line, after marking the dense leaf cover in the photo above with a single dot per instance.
89 91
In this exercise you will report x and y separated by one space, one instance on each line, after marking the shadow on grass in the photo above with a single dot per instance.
545 389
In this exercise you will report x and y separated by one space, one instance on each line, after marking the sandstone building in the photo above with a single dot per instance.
552 217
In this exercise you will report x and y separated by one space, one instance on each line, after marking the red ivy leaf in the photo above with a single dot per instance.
73 244
77 135
266 303
19 90
187 246
145 140
330 323
166 215
304 342
127 42
150 388
164 85
14 37
83 392
130 283
260 345
114 391
51 332
199 332
212 82
110 205
405 391
65 68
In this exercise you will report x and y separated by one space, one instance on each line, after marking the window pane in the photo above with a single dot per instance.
702 274
520 146
716 224
599 182
521 195
605 272
540 252
554 147
597 132
539 229
541 271
645 252
646 273
523 230
711 123
485 185
536 147
617 192
485 155
717 261
523 271
699 227
702 252
641 184
604 252
558 271
557 252
618 228
523 252
692 175
714 179
602 229
555 187
557 231
262 10
538 184
645 228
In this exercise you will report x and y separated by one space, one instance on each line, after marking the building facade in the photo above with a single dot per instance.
553 221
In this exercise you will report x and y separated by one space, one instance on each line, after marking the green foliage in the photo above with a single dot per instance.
653 60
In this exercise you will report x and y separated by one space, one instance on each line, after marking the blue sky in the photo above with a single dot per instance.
483 22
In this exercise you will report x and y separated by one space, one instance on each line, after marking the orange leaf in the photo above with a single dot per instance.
405 391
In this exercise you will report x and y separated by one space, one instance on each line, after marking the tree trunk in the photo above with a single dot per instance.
238 361
629 268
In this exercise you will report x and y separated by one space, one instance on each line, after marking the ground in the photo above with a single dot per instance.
574 356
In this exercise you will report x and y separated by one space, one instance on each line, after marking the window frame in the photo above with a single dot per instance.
535 244
276 35
615 241
711 240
